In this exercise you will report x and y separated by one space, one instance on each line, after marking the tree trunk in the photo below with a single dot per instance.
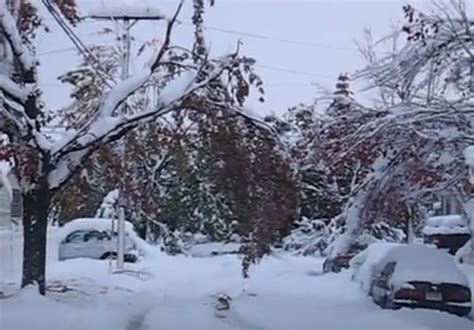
36 203
353 223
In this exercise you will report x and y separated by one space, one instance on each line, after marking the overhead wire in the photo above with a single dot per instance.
77 42
82 48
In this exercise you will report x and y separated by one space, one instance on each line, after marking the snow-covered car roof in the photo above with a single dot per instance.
100 224
422 263
446 224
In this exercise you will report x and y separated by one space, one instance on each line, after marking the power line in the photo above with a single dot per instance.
262 66
252 35
301 73
272 38
57 51
277 39
76 41
275 84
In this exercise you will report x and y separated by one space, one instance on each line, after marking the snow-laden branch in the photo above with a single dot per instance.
14 39
76 146
14 90
104 122
439 45
119 93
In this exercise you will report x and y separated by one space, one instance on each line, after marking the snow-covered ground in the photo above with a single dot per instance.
284 292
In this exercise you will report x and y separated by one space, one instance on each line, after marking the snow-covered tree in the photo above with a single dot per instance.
414 145
44 165
343 97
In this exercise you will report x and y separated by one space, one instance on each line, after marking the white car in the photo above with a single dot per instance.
363 264
93 238
413 276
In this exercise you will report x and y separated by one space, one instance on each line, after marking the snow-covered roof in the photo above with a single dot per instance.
120 10
446 224
422 263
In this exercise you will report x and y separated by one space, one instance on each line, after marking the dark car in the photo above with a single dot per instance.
420 276
341 261
448 232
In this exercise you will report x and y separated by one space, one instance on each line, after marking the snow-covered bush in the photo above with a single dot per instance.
307 238
315 236
108 208
381 231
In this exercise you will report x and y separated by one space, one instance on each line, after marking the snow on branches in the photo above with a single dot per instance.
436 61
45 164
107 123
420 138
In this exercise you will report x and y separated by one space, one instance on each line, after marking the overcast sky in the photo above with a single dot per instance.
307 42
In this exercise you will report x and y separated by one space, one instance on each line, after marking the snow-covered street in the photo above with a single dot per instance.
284 292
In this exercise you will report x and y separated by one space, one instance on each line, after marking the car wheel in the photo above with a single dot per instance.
384 302
130 258
371 289
336 268
387 302
109 256
461 312
326 267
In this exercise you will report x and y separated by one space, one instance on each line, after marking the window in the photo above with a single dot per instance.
95 236
77 236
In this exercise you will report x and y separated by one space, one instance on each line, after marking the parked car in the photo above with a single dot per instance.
420 276
341 261
95 243
363 264
447 232
465 255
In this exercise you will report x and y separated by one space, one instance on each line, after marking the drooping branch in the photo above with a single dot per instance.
113 100
14 91
12 35
23 93
166 42
109 129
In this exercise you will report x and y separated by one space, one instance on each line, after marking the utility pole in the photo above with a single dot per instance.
127 22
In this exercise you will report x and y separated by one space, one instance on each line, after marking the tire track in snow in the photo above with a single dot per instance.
136 322
234 318
142 305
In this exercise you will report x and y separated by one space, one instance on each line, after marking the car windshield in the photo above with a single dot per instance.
236 164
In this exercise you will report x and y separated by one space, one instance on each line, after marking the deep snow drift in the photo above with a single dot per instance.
284 292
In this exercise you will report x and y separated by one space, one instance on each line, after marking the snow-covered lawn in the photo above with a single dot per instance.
284 292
